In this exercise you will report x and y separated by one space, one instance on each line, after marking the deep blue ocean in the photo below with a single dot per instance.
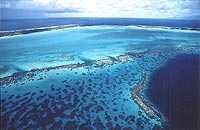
174 88
16 24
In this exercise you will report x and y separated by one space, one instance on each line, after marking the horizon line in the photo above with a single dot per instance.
97 18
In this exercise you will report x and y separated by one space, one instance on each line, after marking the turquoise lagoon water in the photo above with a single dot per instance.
38 92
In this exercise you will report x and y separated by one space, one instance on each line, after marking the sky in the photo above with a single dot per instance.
177 9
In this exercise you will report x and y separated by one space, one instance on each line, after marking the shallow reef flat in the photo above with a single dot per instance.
105 91
87 97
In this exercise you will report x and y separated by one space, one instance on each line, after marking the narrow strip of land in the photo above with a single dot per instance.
41 29
34 30
139 99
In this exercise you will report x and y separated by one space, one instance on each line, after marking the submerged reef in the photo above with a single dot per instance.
67 102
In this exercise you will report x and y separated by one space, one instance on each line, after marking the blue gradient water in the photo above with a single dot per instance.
95 96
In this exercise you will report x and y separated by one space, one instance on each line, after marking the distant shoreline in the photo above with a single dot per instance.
51 28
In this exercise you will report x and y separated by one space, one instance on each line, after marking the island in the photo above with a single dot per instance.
139 99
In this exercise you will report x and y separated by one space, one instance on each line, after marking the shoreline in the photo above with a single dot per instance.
51 28
34 30
139 99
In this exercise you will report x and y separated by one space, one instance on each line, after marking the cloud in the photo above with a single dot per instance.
109 8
